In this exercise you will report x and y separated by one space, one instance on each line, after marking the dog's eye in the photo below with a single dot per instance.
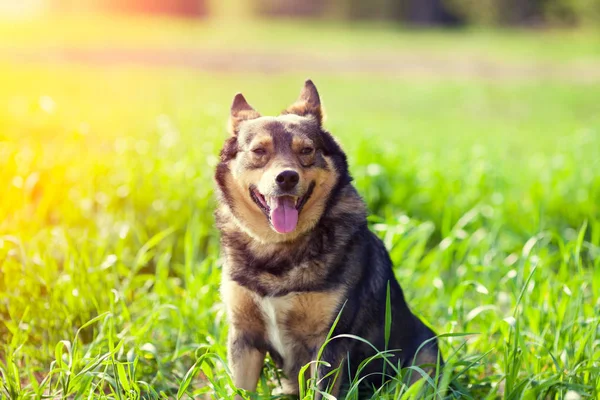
306 151
259 151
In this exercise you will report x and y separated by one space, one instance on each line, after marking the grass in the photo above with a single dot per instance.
486 194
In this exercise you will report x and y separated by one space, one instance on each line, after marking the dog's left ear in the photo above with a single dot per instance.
240 111
308 104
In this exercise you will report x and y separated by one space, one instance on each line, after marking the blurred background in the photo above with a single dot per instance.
414 12
394 37
473 132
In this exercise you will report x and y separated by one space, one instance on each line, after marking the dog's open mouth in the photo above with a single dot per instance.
282 211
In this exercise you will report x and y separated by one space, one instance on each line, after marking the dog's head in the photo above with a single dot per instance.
278 175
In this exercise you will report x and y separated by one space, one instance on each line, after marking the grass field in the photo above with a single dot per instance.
487 195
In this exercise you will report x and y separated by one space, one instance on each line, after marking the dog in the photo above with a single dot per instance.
298 256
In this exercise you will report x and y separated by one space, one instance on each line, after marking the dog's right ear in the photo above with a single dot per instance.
309 103
240 111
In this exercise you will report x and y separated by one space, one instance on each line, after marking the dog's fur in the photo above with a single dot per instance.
283 291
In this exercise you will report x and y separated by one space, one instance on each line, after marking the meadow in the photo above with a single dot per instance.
486 192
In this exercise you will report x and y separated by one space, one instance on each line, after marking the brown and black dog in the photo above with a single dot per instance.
298 252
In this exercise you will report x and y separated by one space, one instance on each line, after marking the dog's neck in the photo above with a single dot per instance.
275 269
342 217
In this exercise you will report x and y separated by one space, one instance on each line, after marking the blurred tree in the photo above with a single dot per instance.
232 10
527 12
376 9
413 12
187 8
442 12
430 12
420 12
294 8
572 12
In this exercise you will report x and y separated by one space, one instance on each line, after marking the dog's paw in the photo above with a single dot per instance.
287 389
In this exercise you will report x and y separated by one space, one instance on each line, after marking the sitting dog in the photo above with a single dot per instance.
298 252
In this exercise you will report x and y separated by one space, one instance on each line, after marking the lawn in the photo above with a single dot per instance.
486 193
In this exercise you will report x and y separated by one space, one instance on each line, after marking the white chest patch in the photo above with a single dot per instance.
275 310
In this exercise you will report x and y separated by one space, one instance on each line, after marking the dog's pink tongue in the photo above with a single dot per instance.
284 215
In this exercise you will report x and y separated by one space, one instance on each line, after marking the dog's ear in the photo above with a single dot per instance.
308 103
240 111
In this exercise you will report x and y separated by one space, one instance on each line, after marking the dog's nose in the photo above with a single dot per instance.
287 180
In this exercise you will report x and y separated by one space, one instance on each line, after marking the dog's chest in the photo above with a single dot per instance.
298 320
276 312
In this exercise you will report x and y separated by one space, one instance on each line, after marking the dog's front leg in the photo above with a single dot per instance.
245 361
245 342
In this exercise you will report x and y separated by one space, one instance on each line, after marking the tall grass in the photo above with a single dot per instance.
487 196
